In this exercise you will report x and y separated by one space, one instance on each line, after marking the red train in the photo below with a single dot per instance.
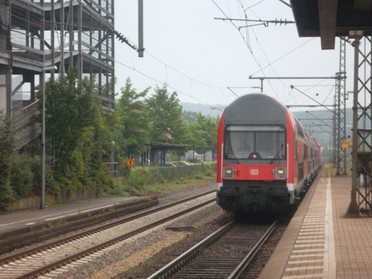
265 159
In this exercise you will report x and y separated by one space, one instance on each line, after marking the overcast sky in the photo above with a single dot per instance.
199 56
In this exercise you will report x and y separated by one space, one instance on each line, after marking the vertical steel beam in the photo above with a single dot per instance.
70 25
6 70
343 98
52 34
361 193
334 130
80 41
62 39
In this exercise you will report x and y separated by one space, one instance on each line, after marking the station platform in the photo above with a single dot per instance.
30 219
321 241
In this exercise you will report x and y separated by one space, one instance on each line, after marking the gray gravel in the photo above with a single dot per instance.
144 254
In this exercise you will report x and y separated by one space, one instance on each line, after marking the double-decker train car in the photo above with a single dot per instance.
265 159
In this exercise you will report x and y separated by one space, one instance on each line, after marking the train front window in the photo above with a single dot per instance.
262 142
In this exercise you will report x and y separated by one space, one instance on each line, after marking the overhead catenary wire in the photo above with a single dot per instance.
269 64
293 87
160 82
127 41
169 84
246 43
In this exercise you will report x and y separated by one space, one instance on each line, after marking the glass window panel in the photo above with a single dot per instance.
267 142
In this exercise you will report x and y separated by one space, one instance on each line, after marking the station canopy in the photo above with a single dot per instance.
329 19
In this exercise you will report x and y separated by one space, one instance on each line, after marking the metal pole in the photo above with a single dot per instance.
130 181
42 202
42 84
140 28
353 207
113 172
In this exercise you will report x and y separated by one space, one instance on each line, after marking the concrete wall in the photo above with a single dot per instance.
34 202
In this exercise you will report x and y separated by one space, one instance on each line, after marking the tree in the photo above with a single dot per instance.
78 139
133 121
167 123
7 145
204 132
189 116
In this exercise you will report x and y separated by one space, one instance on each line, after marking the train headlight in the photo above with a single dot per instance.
228 172
280 173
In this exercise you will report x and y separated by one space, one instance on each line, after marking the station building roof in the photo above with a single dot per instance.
328 19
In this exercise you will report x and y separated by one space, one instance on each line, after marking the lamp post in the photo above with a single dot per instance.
113 172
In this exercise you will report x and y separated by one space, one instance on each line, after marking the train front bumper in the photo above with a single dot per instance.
253 196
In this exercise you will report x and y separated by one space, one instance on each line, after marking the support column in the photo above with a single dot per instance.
361 192
6 60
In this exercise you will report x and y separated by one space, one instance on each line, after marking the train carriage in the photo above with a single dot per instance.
265 157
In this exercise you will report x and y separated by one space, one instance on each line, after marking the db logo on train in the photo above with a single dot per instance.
130 163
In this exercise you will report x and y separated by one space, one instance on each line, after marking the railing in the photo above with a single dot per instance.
26 129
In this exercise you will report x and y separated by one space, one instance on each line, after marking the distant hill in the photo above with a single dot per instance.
203 109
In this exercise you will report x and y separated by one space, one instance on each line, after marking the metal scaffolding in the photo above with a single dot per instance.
44 39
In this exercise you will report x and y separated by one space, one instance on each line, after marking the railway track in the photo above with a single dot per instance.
42 259
224 254
44 231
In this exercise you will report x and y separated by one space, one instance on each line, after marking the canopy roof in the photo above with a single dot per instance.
330 18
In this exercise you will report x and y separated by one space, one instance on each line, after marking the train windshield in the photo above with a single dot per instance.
254 142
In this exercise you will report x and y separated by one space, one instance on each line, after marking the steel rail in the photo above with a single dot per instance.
79 255
177 264
83 229
184 258
239 270
31 251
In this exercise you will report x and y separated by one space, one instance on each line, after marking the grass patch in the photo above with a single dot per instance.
162 188
123 186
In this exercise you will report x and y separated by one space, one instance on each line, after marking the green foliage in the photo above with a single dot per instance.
78 136
189 116
166 117
132 115
204 133
22 178
159 179
138 178
81 138
159 119
7 145
142 120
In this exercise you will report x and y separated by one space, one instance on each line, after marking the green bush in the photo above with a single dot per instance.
7 153
22 178
138 178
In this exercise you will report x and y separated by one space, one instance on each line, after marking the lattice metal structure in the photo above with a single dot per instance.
361 194
341 98
339 115
334 130
43 38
